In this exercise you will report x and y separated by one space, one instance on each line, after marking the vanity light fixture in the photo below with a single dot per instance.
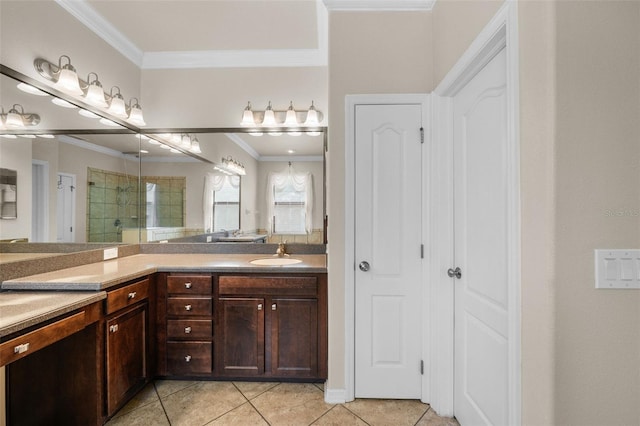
195 146
233 166
269 118
135 113
95 92
272 118
16 118
65 79
117 106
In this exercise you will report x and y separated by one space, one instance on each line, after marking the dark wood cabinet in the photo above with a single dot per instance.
126 331
185 325
240 343
126 370
279 332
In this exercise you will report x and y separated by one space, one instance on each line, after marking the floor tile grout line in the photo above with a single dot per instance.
355 414
164 410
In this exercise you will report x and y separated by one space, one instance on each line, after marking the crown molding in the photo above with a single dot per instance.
84 13
242 144
296 158
90 146
318 57
379 5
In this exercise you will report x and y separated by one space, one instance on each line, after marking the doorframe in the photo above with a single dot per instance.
351 101
42 194
501 32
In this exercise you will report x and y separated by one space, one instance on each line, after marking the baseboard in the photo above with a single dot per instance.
335 396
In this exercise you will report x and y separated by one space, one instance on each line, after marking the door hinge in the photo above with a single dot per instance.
421 134
422 367
421 251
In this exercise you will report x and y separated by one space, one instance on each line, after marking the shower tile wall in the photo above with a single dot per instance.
111 204
171 199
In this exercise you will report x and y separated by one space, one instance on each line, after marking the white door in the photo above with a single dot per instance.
66 207
388 239
481 248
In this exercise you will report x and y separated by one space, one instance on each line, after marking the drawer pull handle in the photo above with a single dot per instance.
187 358
187 285
132 295
274 307
259 306
187 330
113 328
187 307
20 349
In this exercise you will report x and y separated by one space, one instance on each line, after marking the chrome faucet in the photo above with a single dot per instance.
281 251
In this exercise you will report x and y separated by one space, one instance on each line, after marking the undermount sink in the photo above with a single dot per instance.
275 261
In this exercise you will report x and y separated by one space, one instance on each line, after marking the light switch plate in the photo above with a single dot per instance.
110 253
617 269
209 238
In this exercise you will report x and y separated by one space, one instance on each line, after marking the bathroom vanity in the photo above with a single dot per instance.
207 316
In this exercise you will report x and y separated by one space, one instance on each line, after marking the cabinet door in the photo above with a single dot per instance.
126 355
240 347
294 337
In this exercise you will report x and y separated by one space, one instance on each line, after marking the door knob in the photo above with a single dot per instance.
364 266
455 273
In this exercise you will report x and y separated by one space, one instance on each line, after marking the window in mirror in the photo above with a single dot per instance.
222 203
291 202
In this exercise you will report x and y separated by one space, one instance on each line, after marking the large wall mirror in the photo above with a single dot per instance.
83 181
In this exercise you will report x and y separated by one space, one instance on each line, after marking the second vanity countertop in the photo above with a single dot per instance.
102 275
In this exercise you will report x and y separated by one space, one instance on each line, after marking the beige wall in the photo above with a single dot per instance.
537 192
369 52
15 154
597 171
456 23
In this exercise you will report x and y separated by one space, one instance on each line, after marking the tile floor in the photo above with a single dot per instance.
198 403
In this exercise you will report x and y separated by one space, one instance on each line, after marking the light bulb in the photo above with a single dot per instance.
95 95
312 116
291 119
269 117
247 116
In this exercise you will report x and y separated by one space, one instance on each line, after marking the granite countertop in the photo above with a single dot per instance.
102 275
23 309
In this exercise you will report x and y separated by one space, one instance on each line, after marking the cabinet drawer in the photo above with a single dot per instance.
189 329
127 295
189 357
189 284
282 286
26 344
189 306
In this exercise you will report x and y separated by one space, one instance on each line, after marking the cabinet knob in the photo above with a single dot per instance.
20 349
113 328
132 295
187 285
274 307
187 307
259 306
187 330
187 358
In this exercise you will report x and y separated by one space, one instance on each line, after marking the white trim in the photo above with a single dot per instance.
349 207
44 166
501 31
335 396
298 158
242 144
86 14
91 146
73 206
93 20
379 5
